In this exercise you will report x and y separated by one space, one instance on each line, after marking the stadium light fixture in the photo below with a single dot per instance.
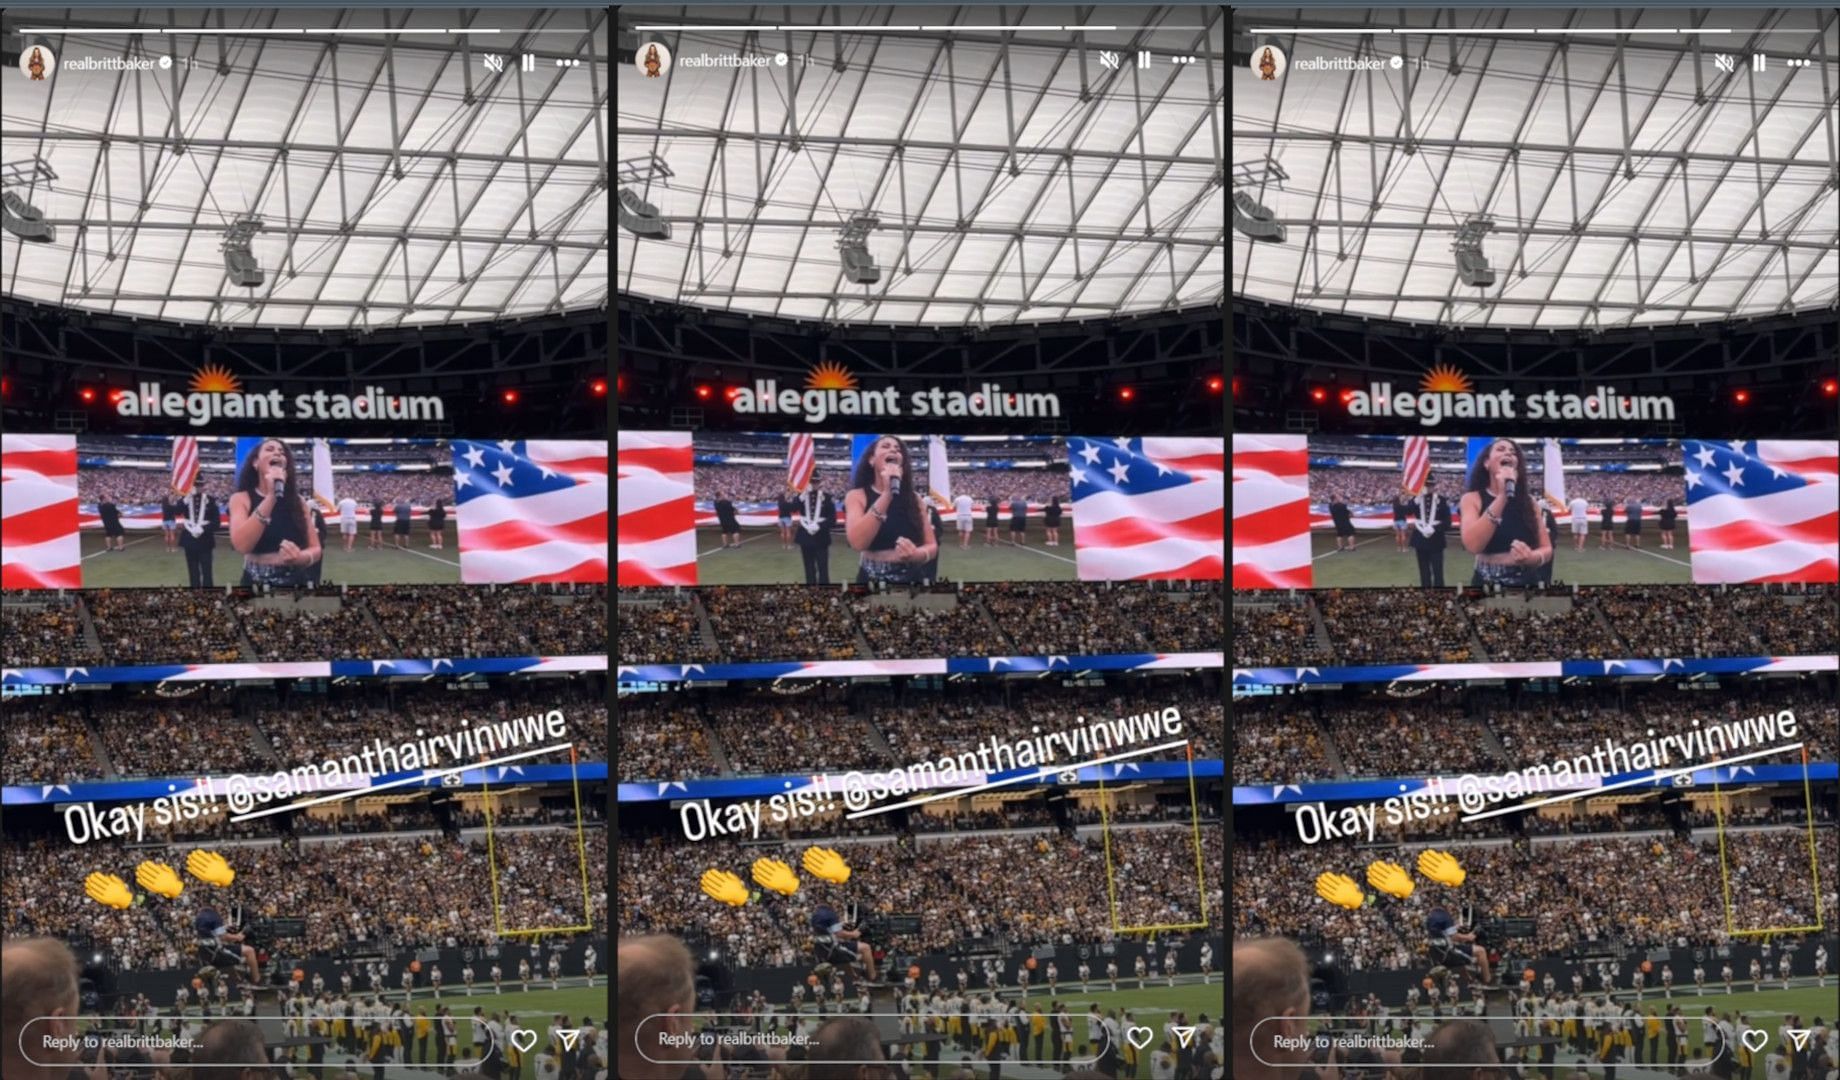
1741 396
1830 387
1251 218
1318 394
1215 383
703 391
1126 393
858 265
509 396
597 387
1472 265
87 394
239 262
17 214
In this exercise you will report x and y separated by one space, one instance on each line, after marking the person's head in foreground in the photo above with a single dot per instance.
656 976
1461 1050
38 978
231 1042
1271 983
838 1048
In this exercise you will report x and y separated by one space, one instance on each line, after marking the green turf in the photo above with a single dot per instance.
1150 1006
1375 561
146 562
760 560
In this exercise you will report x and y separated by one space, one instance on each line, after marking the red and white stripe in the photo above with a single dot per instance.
558 535
1174 533
1791 535
39 546
801 458
656 532
184 464
1415 463
1271 512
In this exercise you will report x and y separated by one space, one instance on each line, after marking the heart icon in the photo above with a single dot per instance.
1139 1036
1755 1039
523 1039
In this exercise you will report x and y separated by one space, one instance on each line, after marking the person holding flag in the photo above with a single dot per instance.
202 519
817 511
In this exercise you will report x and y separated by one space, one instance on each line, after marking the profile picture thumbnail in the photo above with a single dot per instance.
653 58
1268 62
37 62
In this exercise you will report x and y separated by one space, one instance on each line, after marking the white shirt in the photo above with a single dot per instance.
1581 510
348 511
962 504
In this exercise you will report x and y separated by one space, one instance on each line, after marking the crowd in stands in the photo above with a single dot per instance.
742 484
1645 892
661 627
662 738
429 621
165 626
557 619
46 743
903 629
1381 626
781 624
1035 887
1072 618
43 629
1275 740
405 892
1379 487
284 629
1272 630
1658 621
1520 631
146 487
799 734
420 488
149 735
1422 736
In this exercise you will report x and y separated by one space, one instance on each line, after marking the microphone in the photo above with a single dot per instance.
1507 488
894 486
281 488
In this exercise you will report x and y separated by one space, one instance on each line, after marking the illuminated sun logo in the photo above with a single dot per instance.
1445 379
213 379
830 375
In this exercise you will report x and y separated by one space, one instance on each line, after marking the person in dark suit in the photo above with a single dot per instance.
1430 535
813 537
1343 520
198 535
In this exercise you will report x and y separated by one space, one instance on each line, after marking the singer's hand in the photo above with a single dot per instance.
277 473
904 549
891 471
1505 474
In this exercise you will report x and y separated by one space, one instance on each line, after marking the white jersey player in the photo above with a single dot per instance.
1667 981
1756 975
1820 964
1141 970
1169 966
555 971
1783 968
1725 973
1699 978
1111 972
1085 974
524 970
466 976
1207 963
498 978
588 960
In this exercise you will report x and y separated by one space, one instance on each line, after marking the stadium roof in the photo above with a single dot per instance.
1632 179
399 179
1016 176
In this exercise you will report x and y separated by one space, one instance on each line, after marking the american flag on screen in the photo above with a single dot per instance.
1764 511
1148 508
657 530
38 512
184 464
1415 463
531 511
801 456
1271 512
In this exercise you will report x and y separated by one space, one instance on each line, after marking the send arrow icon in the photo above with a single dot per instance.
1184 1035
568 1037
1799 1036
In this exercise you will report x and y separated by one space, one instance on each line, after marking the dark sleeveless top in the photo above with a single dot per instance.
281 526
1513 527
902 521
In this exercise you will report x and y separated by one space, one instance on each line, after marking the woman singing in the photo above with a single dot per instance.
1500 525
883 519
268 520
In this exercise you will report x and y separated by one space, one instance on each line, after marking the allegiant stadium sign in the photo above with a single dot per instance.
200 407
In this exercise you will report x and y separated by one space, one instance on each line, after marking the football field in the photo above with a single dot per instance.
760 560
1375 561
1150 1007
144 560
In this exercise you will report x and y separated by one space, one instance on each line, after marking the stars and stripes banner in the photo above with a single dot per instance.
656 541
184 464
801 458
1271 512
531 510
1415 463
1149 508
39 546
1764 511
